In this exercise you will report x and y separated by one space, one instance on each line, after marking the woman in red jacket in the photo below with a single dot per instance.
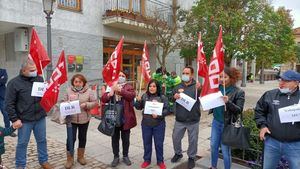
124 94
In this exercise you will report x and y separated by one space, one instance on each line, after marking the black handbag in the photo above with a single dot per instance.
236 135
113 108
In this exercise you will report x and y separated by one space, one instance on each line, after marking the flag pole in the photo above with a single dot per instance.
141 82
43 75
224 88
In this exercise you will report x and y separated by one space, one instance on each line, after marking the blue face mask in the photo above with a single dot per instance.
185 78
285 90
32 74
121 80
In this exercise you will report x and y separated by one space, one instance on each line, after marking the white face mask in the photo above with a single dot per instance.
32 74
121 80
185 78
285 90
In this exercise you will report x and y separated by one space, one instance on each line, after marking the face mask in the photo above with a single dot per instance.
285 90
32 74
121 80
185 78
78 88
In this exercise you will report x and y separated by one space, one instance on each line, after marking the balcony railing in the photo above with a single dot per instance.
138 9
74 5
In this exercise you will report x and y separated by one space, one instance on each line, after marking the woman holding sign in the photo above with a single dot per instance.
155 108
79 91
234 99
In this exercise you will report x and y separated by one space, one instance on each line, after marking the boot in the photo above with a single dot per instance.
70 161
46 165
80 156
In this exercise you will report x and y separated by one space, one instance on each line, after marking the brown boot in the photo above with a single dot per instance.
46 165
80 156
70 161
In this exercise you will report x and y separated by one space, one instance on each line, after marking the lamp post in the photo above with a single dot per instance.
48 9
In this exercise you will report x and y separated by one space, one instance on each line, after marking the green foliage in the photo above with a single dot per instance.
298 52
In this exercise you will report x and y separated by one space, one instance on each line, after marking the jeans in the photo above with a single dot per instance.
158 133
275 149
39 131
82 133
4 113
215 143
115 141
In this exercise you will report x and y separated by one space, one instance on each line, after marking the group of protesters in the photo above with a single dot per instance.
26 115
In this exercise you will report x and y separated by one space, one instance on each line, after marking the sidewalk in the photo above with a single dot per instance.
99 152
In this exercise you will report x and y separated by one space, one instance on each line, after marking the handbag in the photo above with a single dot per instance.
236 135
107 126
56 116
115 109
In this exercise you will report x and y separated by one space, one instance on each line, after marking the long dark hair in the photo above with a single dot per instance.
158 87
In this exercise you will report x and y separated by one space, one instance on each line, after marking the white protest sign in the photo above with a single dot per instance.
69 108
38 89
108 89
212 100
289 114
153 107
186 101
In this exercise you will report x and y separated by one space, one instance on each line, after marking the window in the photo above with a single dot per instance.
73 5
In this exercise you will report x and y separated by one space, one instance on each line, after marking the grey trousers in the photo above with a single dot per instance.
178 133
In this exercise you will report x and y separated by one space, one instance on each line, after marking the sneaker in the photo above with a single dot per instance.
115 162
145 164
126 161
191 163
162 165
13 135
176 158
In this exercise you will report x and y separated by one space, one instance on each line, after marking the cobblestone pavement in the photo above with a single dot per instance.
98 148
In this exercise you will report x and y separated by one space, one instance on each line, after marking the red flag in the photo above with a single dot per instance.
58 77
201 59
38 52
112 68
146 64
216 66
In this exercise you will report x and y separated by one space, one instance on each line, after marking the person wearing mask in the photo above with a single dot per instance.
186 120
234 99
3 80
153 125
124 94
27 115
280 139
79 90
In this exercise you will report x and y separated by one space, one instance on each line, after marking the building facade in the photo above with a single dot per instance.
87 30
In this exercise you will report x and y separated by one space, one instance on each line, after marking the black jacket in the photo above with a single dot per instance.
234 106
3 80
266 115
148 119
19 102
182 114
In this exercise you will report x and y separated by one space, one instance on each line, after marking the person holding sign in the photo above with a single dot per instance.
79 91
234 99
27 114
186 119
280 138
153 123
124 94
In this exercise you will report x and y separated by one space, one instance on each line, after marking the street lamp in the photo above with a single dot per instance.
48 9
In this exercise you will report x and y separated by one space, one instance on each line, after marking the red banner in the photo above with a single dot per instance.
112 68
146 64
201 59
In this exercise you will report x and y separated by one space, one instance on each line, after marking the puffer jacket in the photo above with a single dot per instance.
86 95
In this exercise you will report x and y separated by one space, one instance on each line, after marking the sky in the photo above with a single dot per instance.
293 5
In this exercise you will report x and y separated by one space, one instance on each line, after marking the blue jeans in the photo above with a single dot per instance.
275 149
216 142
158 133
4 113
39 131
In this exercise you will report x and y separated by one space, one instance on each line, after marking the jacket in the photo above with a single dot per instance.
87 96
3 80
4 132
182 114
147 118
19 103
266 115
128 95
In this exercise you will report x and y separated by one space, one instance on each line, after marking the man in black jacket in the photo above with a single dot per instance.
186 120
26 114
280 139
